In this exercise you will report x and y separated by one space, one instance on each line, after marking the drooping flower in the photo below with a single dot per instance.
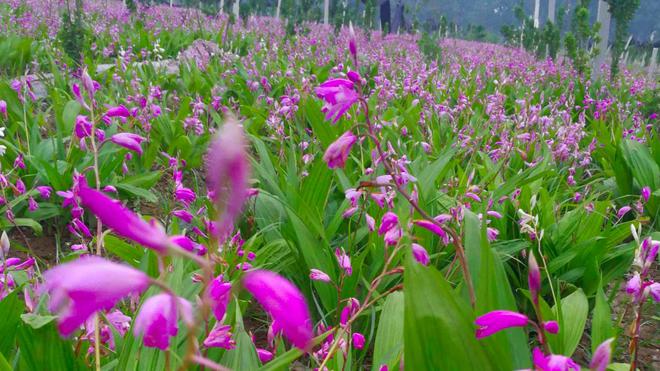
219 293
358 340
646 193
551 327
352 306
389 221
129 141
498 320
44 191
285 303
118 111
420 254
264 355
82 287
534 278
121 220
220 337
553 362
339 95
344 261
157 320
82 127
430 226
318 275
183 215
228 171
337 153
3 108
602 356
623 211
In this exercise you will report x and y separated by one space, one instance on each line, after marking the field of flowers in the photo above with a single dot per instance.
207 193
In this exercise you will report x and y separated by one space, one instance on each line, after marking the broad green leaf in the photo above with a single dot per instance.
139 192
388 346
10 310
37 321
573 317
44 349
601 321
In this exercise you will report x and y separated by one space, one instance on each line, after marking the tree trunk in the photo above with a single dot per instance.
237 8
277 13
604 19
537 13
326 12
552 10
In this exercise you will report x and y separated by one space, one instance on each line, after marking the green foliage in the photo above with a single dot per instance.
622 12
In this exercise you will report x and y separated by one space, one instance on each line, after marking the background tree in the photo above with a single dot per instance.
623 12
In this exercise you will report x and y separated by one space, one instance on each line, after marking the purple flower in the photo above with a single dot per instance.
119 111
123 221
358 340
602 356
428 225
498 320
80 288
318 275
264 355
285 303
185 195
551 327
623 211
219 292
337 153
3 108
352 306
420 254
220 337
344 261
44 191
533 278
646 193
83 127
339 95
553 362
227 174
389 221
492 233
183 215
157 319
129 141
654 288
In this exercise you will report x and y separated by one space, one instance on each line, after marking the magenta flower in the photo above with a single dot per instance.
553 362
646 193
119 111
534 278
344 261
358 340
602 356
264 355
83 127
430 226
623 211
82 287
3 108
44 191
227 174
285 303
420 254
219 292
318 275
389 221
121 220
339 95
498 320
337 153
551 327
220 337
183 215
185 195
129 141
157 319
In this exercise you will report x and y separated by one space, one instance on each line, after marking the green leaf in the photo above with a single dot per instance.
44 349
71 110
283 362
37 321
4 365
430 173
438 329
388 346
139 192
22 222
601 321
573 317
10 310
129 253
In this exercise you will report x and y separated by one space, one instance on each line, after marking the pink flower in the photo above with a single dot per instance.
420 254
602 356
551 327
183 215
492 233
285 303
358 340
185 195
433 228
44 191
339 95
389 221
553 362
371 222
533 278
646 193
337 153
219 292
634 285
318 275
129 141
498 320
654 289
352 306
121 220
220 337
82 287
3 108
118 111
344 261
157 319
264 355
83 127
392 236
227 174
623 211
